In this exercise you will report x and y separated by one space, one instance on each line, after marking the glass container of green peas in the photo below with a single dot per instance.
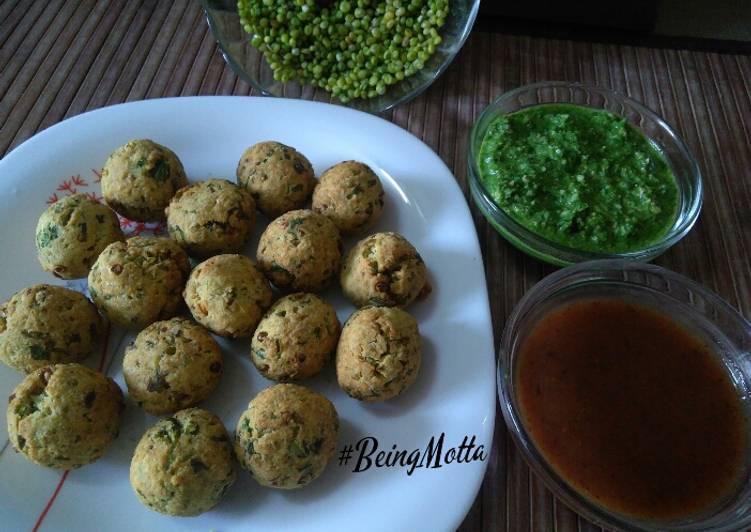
368 54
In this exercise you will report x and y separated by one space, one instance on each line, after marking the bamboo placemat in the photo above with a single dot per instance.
60 58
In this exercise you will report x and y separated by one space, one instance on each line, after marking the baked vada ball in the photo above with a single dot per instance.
184 464
228 295
171 365
139 281
64 416
140 177
71 234
286 436
384 269
45 324
279 177
350 195
379 353
295 338
211 217
300 251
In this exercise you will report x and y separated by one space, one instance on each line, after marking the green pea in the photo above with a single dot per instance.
351 48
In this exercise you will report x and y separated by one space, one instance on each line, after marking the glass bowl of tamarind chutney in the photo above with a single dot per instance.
627 388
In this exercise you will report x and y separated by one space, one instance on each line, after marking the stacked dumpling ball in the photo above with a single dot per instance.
384 269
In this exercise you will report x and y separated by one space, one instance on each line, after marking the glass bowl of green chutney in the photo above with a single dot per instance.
568 173
394 49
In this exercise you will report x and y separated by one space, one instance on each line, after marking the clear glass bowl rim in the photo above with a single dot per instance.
577 275
547 249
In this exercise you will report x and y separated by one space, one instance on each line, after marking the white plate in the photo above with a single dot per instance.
455 391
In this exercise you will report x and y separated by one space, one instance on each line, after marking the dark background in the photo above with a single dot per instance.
719 25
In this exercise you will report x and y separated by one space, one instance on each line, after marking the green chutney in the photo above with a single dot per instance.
581 177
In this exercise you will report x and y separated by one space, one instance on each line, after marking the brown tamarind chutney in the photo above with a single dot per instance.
634 410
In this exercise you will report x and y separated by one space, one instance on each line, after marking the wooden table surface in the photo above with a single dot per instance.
60 58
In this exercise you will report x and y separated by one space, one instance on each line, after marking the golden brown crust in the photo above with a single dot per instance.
45 324
379 353
228 295
171 365
278 176
350 195
72 233
294 339
384 269
140 177
64 416
211 217
286 436
300 251
184 464
139 281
